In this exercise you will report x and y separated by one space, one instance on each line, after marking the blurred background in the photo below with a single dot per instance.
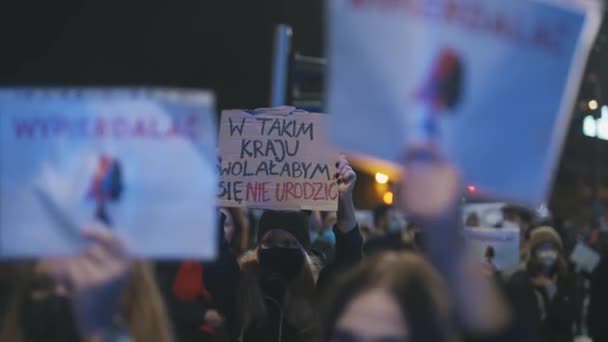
227 46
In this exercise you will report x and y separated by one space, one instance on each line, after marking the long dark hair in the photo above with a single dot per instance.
142 307
418 289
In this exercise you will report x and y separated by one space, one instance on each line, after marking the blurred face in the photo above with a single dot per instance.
278 238
373 316
547 253
281 259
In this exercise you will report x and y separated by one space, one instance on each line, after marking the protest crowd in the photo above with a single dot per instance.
312 276
260 229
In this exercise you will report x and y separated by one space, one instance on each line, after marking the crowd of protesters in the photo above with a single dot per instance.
291 276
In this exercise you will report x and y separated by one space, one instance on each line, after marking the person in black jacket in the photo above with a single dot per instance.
201 296
279 278
542 295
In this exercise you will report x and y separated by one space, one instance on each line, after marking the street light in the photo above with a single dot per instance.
593 104
381 178
388 198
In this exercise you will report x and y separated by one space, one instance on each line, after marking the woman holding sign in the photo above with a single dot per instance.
279 277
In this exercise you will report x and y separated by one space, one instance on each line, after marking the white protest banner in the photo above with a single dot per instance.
482 214
140 160
497 246
276 158
491 82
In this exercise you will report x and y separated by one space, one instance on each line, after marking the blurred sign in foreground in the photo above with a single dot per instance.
491 82
276 158
141 161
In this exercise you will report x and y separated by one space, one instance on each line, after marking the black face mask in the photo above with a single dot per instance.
279 266
50 320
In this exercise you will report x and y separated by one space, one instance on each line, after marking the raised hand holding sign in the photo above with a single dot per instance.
276 158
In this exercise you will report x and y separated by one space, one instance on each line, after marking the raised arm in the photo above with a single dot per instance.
431 197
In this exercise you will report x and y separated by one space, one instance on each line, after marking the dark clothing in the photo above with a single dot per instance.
190 288
348 253
510 333
275 328
538 316
598 303
388 242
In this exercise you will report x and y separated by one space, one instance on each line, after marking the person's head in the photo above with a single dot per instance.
41 309
518 217
391 297
472 220
228 224
283 240
546 253
490 253
279 269
389 219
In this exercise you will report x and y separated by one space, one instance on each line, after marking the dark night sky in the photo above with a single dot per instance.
223 45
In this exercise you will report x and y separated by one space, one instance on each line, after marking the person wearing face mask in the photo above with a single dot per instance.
99 295
543 294
280 277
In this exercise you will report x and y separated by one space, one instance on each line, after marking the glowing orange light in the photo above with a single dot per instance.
388 198
381 178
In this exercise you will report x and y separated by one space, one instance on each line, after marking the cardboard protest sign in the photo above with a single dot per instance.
491 82
140 160
497 246
276 158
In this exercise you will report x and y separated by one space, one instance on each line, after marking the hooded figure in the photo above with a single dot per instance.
279 278
543 294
